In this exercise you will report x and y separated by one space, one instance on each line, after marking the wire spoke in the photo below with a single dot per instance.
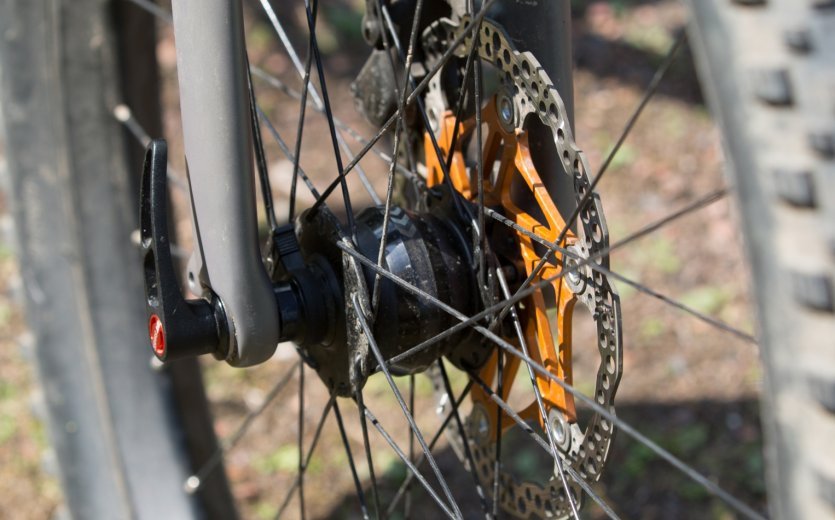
302 112
279 85
304 73
648 94
357 485
374 489
261 160
379 357
287 153
424 117
405 486
302 466
652 88
542 444
415 94
346 196
553 247
307 88
517 325
313 443
478 87
154 9
497 448
193 482
666 455
376 423
303 70
700 203
719 324
465 439
381 254
124 115
407 507
473 321
461 94
531 277
694 475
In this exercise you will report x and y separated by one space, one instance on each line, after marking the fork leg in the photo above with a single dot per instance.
544 28
218 146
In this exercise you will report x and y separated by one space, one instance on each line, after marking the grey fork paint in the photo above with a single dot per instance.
218 147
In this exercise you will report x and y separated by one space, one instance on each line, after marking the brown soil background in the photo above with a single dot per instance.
688 386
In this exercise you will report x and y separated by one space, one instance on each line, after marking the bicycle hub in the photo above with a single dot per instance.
430 250
307 261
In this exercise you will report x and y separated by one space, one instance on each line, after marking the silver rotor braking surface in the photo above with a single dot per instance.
585 449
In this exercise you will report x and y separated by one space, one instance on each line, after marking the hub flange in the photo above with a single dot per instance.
431 250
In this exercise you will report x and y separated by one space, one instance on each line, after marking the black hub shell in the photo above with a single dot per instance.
433 256
431 250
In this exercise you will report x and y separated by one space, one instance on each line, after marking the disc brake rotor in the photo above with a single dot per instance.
514 189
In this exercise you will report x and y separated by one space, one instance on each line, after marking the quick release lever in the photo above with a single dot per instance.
177 327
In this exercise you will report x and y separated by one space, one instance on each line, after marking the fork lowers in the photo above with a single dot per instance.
430 250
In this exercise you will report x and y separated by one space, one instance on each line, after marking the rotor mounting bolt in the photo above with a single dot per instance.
483 427
560 430
575 270
573 273
506 111
480 424
433 119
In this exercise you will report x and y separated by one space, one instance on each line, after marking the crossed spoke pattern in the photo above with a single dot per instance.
414 459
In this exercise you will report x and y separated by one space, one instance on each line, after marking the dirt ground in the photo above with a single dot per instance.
688 386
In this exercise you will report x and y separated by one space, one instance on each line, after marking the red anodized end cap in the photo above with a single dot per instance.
157 334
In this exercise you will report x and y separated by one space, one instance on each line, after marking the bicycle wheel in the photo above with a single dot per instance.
774 195
120 429
482 174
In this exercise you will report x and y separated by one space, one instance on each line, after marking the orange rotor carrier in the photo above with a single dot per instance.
507 165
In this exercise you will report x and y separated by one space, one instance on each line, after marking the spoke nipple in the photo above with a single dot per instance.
122 113
192 484
442 404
